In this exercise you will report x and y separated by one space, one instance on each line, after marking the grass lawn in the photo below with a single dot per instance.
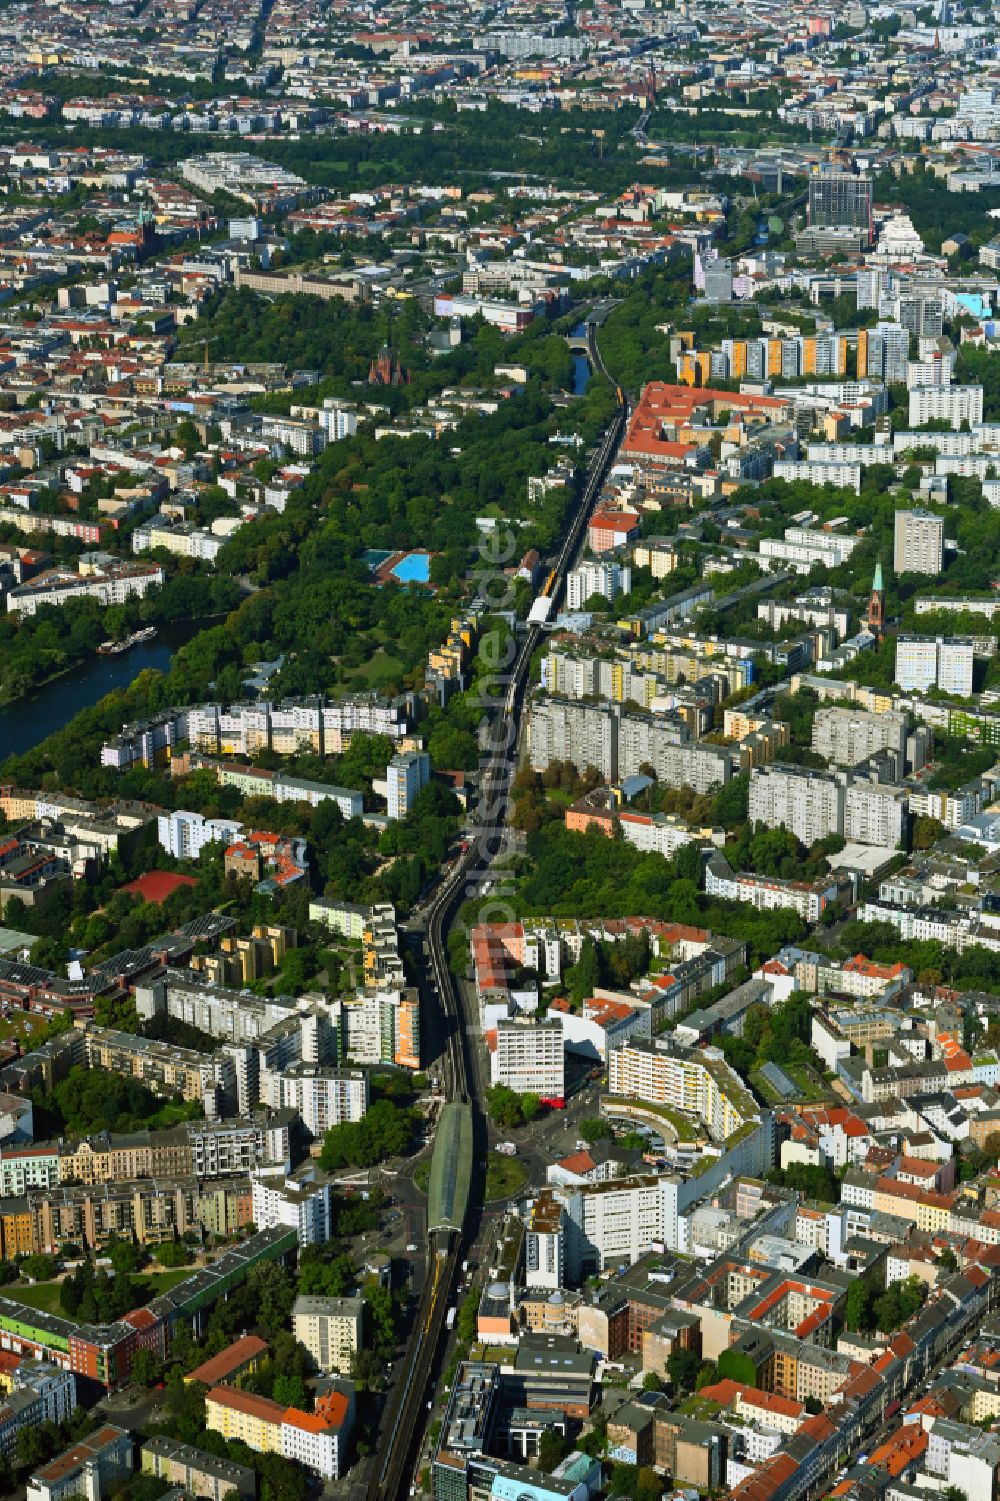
504 1176
699 1407
811 1088
381 668
45 1295
809 1081
422 1175
20 1024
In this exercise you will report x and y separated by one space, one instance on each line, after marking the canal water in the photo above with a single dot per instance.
25 723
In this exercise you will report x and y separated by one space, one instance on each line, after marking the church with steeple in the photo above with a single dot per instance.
875 616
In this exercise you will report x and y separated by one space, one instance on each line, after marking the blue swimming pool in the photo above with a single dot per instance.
374 557
415 568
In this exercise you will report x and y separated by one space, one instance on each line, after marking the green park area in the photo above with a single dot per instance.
45 1295
504 1176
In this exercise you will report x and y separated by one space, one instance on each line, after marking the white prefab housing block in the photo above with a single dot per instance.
809 803
918 542
956 404
607 578
304 1206
943 662
529 1058
323 1097
184 835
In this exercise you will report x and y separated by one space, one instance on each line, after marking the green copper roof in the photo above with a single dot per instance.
877 585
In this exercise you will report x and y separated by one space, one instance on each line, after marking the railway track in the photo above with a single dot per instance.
403 1424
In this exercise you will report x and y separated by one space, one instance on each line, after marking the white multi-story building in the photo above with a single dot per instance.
810 804
875 813
303 438
955 404
918 542
179 538
657 833
700 1084
184 835
585 734
405 777
24 1167
944 662
605 577
820 472
87 1469
949 808
228 1148
111 583
959 604
848 736
544 1258
767 893
323 1097
529 1058
316 725
303 1203
809 546
330 1329
614 1223
338 419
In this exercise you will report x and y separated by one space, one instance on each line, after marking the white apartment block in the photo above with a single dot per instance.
820 472
179 538
586 735
808 899
875 813
808 547
27 1167
303 1204
345 918
110 584
918 542
323 1097
223 1149
330 1329
701 1085
529 1058
933 372
338 419
809 609
615 1223
307 724
317 1450
810 804
942 662
606 578
955 404
848 453
848 736
405 776
931 604
86 1469
949 808
303 438
184 835
657 833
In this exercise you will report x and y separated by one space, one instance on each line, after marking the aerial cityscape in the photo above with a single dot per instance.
499 750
